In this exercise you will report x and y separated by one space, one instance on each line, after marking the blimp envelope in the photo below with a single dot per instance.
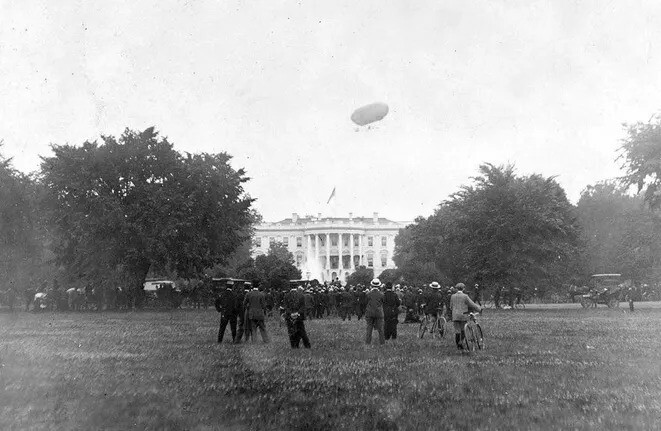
369 113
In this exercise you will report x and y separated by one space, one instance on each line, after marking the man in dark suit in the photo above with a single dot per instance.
374 312
391 305
255 305
240 313
226 306
294 305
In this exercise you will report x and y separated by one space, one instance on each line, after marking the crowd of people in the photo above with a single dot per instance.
379 304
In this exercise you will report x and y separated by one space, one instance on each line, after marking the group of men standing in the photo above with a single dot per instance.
248 311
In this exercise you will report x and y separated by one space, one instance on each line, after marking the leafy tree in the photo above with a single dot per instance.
419 251
23 257
641 151
503 229
235 264
276 268
390 275
135 203
620 233
362 275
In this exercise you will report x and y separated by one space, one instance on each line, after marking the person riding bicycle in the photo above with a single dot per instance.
433 302
461 303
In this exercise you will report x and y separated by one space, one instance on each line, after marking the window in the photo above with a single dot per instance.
356 238
299 241
370 261
333 240
299 259
370 241
258 242
384 261
271 240
384 241
285 241
345 240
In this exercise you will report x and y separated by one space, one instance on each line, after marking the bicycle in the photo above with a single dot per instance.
426 324
473 335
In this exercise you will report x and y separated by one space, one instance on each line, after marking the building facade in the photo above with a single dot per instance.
328 248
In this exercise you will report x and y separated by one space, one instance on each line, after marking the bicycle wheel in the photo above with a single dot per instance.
479 336
422 328
441 326
470 338
432 329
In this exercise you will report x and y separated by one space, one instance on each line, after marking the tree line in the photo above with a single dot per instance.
115 211
111 212
505 229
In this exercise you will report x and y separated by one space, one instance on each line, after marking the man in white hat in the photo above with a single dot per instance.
434 302
374 312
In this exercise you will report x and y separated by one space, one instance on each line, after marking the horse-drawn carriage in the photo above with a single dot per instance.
608 289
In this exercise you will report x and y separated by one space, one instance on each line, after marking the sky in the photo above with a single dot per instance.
545 85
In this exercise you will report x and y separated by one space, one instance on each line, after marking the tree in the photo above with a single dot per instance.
390 276
504 229
419 251
23 257
276 268
620 233
135 203
362 275
641 151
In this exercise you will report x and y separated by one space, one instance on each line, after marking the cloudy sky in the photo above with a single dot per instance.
545 85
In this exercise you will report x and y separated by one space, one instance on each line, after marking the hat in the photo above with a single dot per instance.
435 285
460 286
375 283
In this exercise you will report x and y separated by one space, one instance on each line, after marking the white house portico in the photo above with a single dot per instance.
328 248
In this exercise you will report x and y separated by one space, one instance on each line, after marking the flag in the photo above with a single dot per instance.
331 196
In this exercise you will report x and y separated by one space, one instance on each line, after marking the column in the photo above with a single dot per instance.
316 251
351 265
328 265
339 252
308 254
360 250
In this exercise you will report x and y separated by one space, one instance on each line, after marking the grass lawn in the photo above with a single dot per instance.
543 369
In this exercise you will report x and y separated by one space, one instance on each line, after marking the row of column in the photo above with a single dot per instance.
339 247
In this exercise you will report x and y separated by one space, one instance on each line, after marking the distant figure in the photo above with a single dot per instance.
255 305
226 306
374 312
478 295
391 305
241 314
461 303
294 305
630 296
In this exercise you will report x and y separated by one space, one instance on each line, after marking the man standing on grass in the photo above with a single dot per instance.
374 312
294 305
226 306
391 304
255 304
241 314
461 303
